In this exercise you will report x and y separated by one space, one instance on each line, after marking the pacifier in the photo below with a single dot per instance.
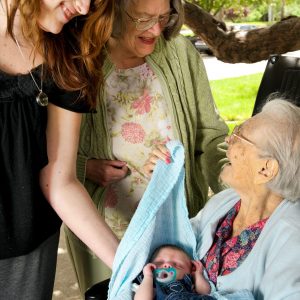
164 275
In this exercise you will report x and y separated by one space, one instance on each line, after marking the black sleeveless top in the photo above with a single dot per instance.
26 218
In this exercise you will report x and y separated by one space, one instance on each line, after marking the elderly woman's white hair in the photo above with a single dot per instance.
282 142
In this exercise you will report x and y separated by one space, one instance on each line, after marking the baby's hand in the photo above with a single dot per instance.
148 270
201 283
197 268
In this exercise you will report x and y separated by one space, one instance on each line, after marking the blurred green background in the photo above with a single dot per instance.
235 97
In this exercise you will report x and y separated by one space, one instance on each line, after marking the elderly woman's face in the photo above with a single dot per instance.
244 161
141 42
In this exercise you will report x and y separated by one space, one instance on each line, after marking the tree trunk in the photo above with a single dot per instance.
243 46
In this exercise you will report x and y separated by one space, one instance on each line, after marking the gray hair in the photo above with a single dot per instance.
119 26
283 144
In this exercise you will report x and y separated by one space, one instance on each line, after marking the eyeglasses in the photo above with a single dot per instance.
236 134
164 21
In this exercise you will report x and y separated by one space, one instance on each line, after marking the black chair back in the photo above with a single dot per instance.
98 291
281 76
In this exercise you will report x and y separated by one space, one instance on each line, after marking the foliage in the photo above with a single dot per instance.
258 13
215 6
235 97
293 9
249 10
236 13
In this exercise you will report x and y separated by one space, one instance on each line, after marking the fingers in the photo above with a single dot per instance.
105 172
197 265
160 152
113 173
116 163
148 168
148 269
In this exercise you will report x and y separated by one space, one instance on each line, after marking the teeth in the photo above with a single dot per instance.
72 10
68 11
65 10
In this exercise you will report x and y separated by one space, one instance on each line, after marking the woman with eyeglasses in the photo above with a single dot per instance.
248 235
156 89
50 68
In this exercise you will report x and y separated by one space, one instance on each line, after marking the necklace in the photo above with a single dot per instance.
41 98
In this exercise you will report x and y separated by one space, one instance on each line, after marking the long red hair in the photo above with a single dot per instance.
74 57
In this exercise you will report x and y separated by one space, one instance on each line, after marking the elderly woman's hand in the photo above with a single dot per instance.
159 152
105 172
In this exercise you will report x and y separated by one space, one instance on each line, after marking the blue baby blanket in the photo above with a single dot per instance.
161 218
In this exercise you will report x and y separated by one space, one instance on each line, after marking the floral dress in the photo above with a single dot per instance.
226 252
137 120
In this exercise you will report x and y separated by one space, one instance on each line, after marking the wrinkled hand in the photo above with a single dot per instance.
159 152
148 269
105 172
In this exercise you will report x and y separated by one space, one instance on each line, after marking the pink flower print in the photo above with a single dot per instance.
214 268
133 133
143 103
232 242
111 199
231 260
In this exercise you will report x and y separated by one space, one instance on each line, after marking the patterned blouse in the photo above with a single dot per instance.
226 252
137 119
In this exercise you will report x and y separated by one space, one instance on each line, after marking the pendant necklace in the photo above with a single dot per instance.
41 98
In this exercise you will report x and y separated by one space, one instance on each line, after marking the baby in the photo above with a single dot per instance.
174 273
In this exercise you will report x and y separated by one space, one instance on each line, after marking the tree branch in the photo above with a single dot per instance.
243 46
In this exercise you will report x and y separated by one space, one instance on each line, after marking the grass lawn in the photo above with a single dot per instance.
235 97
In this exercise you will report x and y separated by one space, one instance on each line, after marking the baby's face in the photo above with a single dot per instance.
173 258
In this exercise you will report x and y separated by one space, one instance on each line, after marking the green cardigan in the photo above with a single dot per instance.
195 119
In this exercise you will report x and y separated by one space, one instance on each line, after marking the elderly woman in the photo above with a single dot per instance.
246 237
156 90
249 236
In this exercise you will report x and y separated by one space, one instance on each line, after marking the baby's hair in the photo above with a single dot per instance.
171 246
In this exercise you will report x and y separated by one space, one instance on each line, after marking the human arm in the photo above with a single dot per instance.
96 167
64 192
105 172
211 129
202 286
198 124
281 279
146 291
